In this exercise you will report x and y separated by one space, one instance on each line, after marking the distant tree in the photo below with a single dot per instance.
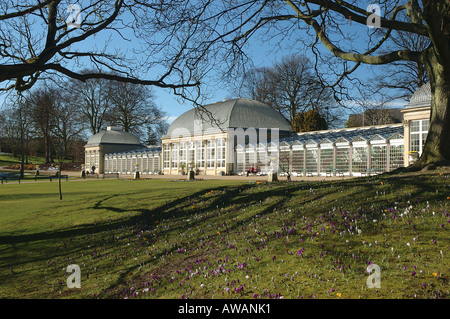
132 107
290 87
67 123
153 132
376 116
15 123
42 102
93 98
310 120
2 125
9 129
372 106
258 85
23 120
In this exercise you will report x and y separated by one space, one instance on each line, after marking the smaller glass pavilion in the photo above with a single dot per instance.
146 161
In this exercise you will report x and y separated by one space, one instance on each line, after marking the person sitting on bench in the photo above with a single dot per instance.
253 170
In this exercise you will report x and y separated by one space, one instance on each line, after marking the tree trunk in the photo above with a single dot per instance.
46 148
59 185
22 156
22 145
437 146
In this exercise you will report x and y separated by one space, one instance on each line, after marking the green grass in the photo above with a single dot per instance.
227 239
8 159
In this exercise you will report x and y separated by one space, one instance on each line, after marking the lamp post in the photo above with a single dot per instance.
273 174
58 173
136 172
191 173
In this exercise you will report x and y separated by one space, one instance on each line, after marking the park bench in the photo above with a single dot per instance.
6 179
309 172
110 175
329 173
36 177
368 172
90 175
252 171
52 177
334 172
340 172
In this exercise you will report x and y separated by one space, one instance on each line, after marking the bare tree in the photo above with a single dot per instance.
132 108
67 123
183 40
310 120
55 37
399 80
93 98
42 103
258 85
16 126
9 129
153 132
24 123
290 86
371 107
285 165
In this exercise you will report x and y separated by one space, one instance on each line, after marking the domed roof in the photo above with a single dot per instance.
113 135
422 96
233 113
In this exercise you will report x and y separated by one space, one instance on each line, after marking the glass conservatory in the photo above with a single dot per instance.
146 161
342 152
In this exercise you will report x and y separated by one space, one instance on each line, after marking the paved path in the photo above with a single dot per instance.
182 177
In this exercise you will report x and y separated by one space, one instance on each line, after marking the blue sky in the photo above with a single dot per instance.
263 54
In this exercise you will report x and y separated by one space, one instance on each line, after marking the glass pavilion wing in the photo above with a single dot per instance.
378 137
325 141
396 136
342 140
355 151
364 134
285 145
359 139
297 145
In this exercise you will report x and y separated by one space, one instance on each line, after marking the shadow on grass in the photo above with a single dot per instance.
231 197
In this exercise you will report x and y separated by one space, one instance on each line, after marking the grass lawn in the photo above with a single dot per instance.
227 239
7 159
